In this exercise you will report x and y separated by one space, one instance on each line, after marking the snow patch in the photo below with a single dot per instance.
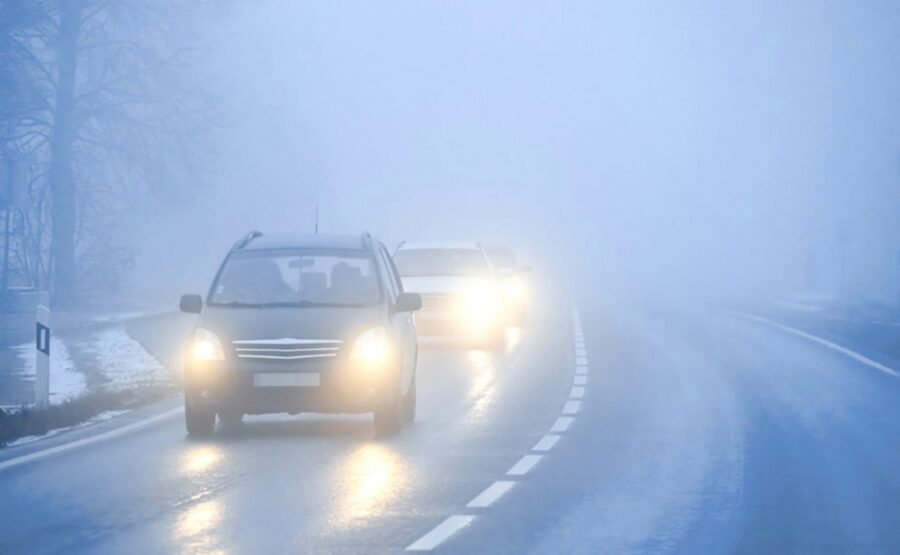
123 361
65 381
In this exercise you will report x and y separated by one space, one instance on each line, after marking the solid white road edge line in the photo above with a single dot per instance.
824 342
127 429
524 465
546 443
562 424
441 533
490 495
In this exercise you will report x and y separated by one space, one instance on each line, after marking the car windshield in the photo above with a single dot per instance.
502 258
441 262
297 278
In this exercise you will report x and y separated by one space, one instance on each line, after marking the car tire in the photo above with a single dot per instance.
409 402
388 418
199 420
231 418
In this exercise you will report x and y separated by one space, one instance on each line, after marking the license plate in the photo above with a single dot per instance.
286 379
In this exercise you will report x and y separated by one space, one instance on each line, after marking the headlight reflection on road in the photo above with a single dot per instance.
513 339
200 459
370 477
197 521
482 389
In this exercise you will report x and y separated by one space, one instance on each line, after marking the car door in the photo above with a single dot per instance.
402 322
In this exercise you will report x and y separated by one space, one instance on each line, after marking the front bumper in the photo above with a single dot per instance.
343 387
435 324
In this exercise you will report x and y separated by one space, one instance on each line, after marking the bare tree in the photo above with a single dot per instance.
119 113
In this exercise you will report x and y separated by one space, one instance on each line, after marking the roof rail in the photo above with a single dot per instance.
400 244
244 241
366 239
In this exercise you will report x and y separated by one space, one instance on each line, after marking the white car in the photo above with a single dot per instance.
461 295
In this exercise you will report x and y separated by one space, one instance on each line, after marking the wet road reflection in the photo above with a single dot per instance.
482 388
513 339
197 526
200 459
369 478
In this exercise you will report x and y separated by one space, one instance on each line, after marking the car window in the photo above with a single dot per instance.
501 258
297 277
441 262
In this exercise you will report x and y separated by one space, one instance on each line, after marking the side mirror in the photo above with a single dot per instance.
192 304
408 302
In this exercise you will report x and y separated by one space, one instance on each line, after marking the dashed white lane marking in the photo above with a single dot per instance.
825 343
524 465
124 430
441 533
490 495
562 424
455 523
546 443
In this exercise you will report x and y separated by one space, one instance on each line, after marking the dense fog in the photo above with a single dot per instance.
726 150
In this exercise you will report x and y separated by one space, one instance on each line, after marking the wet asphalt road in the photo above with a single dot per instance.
695 432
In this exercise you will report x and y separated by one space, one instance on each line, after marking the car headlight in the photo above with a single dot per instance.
371 347
206 346
478 305
514 289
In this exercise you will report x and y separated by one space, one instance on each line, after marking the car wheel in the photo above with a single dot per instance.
409 402
389 417
231 418
199 420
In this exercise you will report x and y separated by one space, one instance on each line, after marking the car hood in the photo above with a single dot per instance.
442 284
328 323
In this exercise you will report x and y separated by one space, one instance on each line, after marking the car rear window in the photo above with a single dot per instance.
441 262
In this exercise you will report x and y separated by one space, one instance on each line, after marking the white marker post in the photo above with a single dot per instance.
42 357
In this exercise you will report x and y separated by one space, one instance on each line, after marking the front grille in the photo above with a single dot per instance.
287 348
437 302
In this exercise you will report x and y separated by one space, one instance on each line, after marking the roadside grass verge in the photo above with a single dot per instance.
38 421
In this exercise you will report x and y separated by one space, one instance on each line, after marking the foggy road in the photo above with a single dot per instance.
692 430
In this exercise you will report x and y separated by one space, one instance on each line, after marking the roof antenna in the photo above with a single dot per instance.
317 219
